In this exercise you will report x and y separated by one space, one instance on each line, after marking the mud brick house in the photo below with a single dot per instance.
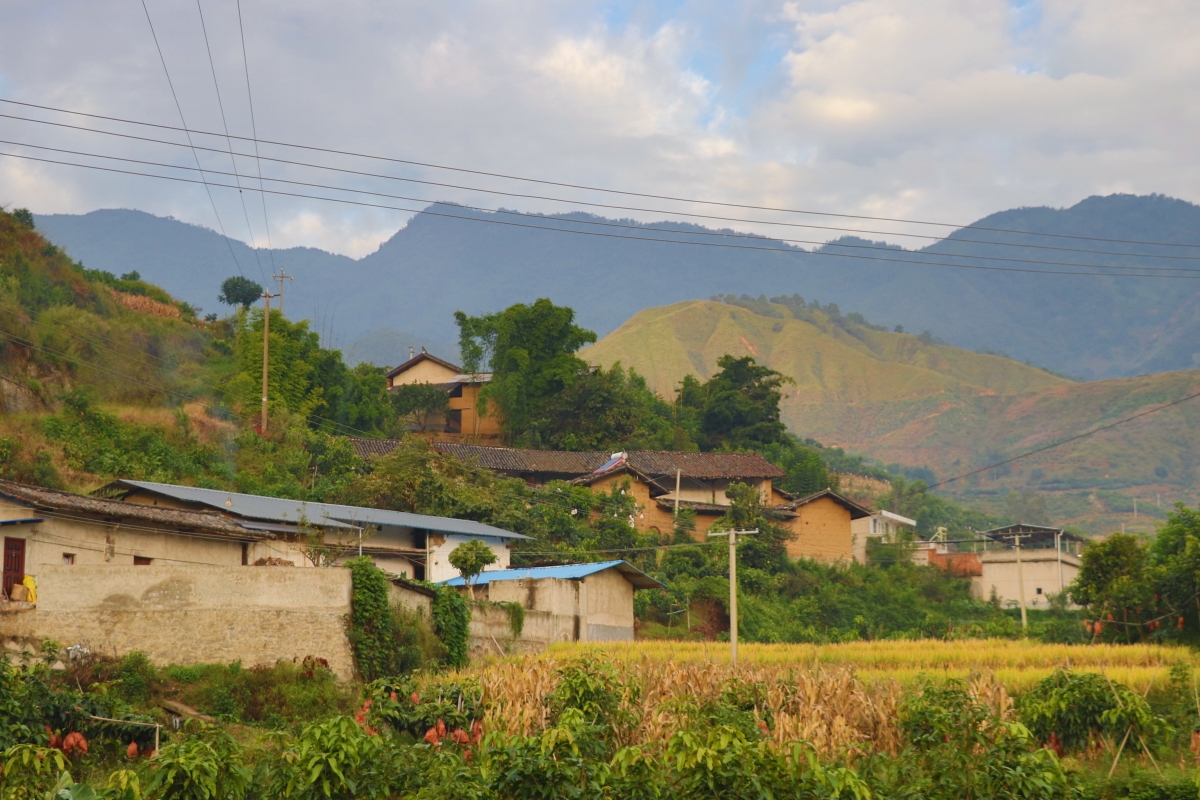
821 521
463 389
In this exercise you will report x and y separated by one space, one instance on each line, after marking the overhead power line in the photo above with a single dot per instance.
585 187
195 155
254 130
1068 440
609 206
221 105
916 256
920 260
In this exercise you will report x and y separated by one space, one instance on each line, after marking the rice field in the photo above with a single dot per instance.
1017 664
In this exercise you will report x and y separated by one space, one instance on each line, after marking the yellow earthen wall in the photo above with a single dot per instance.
822 531
423 372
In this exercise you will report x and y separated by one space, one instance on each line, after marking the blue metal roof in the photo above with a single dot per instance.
329 515
639 579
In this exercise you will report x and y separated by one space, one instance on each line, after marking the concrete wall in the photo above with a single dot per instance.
192 614
822 530
97 543
491 631
441 545
1041 571
875 525
596 608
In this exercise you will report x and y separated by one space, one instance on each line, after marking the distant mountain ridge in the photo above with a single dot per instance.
1091 327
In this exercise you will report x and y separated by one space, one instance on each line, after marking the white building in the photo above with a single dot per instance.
882 525
1046 564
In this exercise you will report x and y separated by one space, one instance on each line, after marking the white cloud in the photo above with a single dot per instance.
942 109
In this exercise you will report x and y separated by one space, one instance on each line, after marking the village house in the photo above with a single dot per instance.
570 603
1046 563
884 526
463 389
411 545
662 481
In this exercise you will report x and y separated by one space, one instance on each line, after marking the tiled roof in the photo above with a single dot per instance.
779 512
51 500
510 459
639 579
856 511
365 448
654 463
418 358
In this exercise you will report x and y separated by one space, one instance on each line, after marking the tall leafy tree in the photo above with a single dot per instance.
738 408
240 291
530 351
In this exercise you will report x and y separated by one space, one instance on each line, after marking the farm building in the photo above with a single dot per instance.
572 603
1046 563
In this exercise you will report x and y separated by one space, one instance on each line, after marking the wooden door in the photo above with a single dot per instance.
14 563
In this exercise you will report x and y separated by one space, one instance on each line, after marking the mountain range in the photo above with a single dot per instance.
449 258
906 400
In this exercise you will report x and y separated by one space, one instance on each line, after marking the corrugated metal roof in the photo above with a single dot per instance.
275 509
639 579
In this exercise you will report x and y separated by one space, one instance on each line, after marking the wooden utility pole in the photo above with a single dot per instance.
1021 578
281 277
733 620
266 349
678 475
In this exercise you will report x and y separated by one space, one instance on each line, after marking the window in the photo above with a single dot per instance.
68 558
1039 591
141 561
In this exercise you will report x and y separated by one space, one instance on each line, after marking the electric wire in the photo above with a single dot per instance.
791 250
918 257
195 155
713 217
221 105
254 131
1061 442
610 191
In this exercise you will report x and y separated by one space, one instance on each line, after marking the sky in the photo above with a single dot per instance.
932 110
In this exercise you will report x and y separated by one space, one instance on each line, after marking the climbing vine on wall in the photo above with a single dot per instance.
451 622
382 646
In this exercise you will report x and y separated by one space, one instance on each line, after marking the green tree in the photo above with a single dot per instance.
416 403
605 410
24 217
530 351
738 408
1176 551
240 291
1027 506
470 558
1116 582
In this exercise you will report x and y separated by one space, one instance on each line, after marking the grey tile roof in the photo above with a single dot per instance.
275 509
52 500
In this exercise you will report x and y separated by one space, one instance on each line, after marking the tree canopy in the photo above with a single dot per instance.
240 291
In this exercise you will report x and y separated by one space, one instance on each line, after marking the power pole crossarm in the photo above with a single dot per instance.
733 620
281 277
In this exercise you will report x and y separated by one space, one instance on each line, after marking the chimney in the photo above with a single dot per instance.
410 352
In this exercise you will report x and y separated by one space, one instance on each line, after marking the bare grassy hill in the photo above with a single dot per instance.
904 399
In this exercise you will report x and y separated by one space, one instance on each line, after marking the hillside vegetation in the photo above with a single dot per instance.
904 399
1086 326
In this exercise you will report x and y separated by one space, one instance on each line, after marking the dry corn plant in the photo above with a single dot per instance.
829 708
146 305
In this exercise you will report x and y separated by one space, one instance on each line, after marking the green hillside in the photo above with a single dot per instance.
903 399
